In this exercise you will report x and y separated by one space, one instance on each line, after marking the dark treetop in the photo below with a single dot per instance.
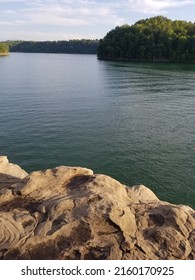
157 38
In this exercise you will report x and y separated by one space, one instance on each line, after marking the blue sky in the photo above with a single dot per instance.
77 19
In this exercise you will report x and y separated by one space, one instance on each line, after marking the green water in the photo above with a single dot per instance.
132 121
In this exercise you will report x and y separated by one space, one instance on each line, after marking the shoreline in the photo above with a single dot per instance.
167 61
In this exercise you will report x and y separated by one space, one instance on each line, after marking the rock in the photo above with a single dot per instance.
71 213
10 174
11 169
141 194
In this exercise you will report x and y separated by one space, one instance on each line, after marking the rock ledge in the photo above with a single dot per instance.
71 213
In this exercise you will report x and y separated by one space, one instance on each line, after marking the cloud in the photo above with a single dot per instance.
68 13
72 17
156 6
64 13
39 18
45 36
13 1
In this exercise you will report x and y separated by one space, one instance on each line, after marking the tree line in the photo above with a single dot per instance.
83 46
157 38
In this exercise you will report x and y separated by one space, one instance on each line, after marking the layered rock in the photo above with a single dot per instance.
71 213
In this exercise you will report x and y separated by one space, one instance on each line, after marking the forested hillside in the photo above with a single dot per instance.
157 38
72 46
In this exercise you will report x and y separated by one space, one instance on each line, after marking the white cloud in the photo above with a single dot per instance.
45 36
64 13
74 16
11 23
13 1
5 22
156 6
68 13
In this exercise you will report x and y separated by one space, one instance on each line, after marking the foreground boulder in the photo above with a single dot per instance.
71 213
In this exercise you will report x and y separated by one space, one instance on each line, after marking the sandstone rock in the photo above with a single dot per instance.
71 213
11 169
141 194
10 174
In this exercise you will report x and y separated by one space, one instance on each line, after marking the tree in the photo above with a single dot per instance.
4 49
73 46
156 38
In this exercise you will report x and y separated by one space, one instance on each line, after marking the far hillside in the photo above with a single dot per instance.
72 47
153 39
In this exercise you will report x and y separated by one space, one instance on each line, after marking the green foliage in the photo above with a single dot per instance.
4 49
156 38
72 46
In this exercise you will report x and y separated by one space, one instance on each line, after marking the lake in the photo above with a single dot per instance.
132 121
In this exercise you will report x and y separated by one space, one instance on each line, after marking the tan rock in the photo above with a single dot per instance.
11 169
71 213
141 194
10 174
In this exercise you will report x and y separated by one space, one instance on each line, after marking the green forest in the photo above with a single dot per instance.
153 39
72 47
4 49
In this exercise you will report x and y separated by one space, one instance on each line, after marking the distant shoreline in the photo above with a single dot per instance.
83 46
52 53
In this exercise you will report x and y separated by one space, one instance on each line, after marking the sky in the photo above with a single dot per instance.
42 20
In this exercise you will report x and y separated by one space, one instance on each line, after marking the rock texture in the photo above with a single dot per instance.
71 213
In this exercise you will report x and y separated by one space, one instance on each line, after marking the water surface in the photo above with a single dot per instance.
132 121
